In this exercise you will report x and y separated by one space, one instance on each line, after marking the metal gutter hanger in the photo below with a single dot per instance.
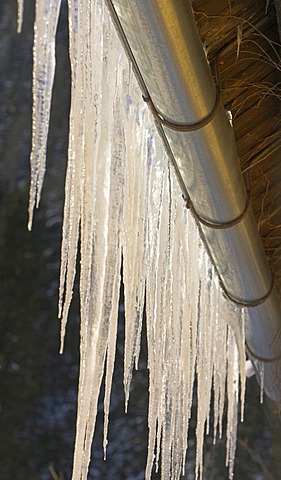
162 39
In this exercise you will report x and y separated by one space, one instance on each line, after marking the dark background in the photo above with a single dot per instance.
37 385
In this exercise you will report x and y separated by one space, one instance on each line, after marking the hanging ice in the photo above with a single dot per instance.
122 199
20 15
46 18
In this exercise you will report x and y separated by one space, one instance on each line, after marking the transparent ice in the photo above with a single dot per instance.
122 201
20 15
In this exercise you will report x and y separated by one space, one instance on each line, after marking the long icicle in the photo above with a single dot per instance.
44 61
20 15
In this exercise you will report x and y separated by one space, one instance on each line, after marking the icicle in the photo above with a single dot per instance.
219 378
46 19
20 15
240 342
205 352
235 317
154 333
74 180
137 139
116 201
232 394
262 381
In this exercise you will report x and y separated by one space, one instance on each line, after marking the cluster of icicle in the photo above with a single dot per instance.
123 201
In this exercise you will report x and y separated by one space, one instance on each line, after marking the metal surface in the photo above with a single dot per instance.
166 47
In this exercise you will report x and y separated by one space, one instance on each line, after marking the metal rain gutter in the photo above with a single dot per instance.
162 40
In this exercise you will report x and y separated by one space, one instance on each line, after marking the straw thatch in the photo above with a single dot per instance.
277 4
245 35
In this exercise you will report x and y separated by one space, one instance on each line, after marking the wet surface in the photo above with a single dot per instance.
38 387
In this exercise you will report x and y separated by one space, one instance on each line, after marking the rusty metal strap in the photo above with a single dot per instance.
252 354
193 126
219 226
248 303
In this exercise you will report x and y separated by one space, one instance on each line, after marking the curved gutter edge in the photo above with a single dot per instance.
162 40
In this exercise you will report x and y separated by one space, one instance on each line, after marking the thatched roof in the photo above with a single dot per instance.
277 4
245 35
